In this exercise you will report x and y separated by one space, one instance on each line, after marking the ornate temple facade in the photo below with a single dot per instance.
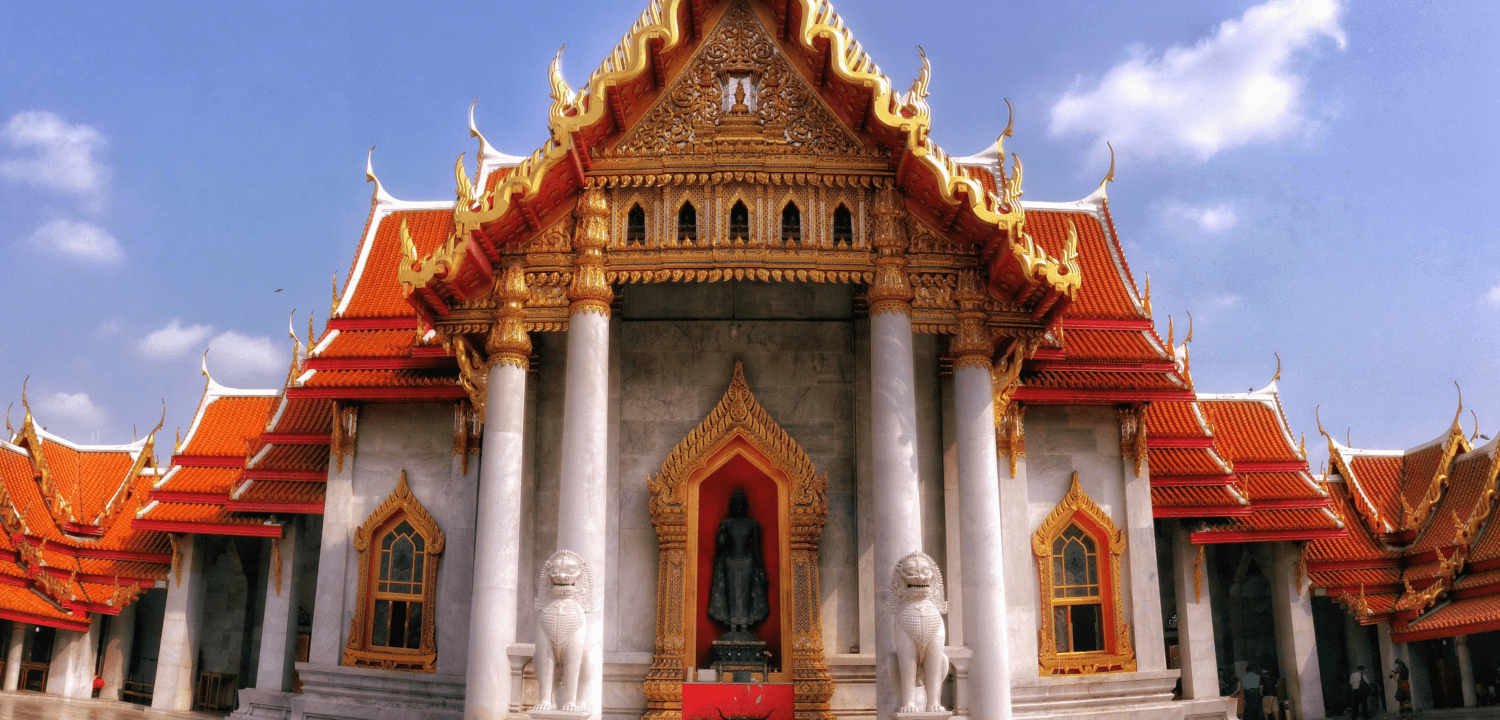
740 397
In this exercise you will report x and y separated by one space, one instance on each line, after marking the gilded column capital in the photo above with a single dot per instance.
508 342
891 291
971 346
590 291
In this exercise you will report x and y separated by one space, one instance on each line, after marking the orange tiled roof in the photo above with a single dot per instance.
1174 461
198 480
369 343
1471 474
1104 293
382 378
302 415
226 420
378 292
284 492
1249 430
1456 618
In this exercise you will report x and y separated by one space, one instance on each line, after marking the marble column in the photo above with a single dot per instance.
583 493
1140 548
893 430
117 653
492 627
1195 619
983 579
333 603
1387 664
13 654
1466 670
71 674
1296 641
278 635
179 633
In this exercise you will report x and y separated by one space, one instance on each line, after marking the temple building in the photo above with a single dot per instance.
740 397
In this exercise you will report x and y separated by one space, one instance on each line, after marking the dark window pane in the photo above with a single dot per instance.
401 560
1073 533
398 624
687 222
1060 623
420 562
1087 635
1057 547
843 225
739 221
420 542
1088 544
405 528
1075 563
384 587
386 543
1079 591
414 626
1094 572
385 564
380 628
635 226
791 222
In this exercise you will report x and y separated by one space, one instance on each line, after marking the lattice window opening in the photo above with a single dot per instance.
1077 604
843 227
687 223
739 222
791 224
398 612
635 227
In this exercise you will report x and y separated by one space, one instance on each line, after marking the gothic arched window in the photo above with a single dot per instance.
1078 553
791 223
635 226
739 221
393 625
687 222
843 226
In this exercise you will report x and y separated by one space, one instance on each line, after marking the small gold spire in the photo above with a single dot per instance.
333 309
1147 300
1278 367
1110 176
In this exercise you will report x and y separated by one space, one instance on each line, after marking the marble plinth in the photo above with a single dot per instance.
944 715
557 714
739 655
256 703
371 694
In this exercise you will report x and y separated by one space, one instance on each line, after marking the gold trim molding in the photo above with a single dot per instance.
738 420
1118 655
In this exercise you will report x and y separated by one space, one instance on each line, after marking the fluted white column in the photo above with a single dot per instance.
893 430
179 633
1466 670
1195 621
278 635
983 579
117 653
581 499
492 627
1296 641
13 654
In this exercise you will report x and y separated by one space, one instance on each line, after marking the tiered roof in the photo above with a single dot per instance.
1421 552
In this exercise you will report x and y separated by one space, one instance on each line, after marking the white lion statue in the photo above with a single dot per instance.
918 603
564 598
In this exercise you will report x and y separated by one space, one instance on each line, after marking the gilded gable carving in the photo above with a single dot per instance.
739 90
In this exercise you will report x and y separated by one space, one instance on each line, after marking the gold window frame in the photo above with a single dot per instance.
1118 655
357 650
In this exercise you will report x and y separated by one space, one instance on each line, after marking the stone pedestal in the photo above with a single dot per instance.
497 544
557 715
117 653
13 655
179 635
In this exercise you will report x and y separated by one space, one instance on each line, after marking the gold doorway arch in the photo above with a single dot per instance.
738 428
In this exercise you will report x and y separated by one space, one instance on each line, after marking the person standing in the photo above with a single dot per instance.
1250 682
1359 691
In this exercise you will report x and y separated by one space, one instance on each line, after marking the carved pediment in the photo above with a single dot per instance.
740 92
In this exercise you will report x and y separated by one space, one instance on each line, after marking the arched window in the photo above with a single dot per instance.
843 226
393 625
739 221
791 223
687 222
1078 553
635 226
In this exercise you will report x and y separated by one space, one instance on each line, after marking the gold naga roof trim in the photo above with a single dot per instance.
528 198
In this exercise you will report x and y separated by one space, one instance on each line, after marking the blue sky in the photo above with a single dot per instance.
1310 178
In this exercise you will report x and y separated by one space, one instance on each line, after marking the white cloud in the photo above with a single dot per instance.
59 157
78 239
1233 88
71 408
1493 296
241 355
1214 219
1227 300
174 341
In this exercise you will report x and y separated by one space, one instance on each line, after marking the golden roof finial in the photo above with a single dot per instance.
563 95
163 420
334 308
1458 413
1303 446
1475 436
1189 337
1318 417
1110 176
291 332
485 151
1348 437
1171 336
25 404
1010 125
1147 299
205 366
915 99
177 441
8 428
465 189
311 338
1278 367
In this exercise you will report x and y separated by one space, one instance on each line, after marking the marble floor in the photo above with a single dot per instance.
35 706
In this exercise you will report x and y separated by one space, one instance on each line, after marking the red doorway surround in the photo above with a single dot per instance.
738 473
